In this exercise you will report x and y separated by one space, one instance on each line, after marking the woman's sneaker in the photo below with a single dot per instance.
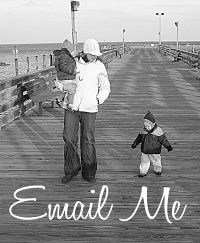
65 179
91 179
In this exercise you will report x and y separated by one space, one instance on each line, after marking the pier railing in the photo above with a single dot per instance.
16 93
190 58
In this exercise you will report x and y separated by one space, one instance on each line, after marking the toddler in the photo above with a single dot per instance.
65 65
151 138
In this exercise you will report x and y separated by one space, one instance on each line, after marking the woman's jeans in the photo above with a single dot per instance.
72 163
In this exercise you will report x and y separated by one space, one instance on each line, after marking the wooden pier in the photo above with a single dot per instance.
31 154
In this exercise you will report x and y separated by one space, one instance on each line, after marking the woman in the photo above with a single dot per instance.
93 88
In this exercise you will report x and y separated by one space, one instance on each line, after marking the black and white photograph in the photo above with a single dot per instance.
99 121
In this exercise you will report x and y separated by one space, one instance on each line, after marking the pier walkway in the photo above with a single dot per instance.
31 153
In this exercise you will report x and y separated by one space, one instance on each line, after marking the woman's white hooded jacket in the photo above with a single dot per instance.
93 86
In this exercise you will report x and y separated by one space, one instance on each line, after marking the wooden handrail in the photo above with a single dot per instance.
14 99
192 59
108 56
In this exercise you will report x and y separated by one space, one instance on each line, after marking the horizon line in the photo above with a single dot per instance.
145 41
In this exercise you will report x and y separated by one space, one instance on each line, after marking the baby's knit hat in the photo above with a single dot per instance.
149 118
67 44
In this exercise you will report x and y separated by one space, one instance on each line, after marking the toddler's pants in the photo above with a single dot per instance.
147 159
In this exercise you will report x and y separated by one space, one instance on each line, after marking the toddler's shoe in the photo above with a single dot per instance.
158 173
141 175
58 103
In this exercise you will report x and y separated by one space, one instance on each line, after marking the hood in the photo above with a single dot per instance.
91 46
61 52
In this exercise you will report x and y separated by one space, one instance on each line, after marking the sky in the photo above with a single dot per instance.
49 21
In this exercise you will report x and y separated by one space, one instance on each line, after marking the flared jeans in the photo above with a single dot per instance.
72 162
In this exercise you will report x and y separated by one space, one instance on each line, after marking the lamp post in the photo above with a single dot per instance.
123 46
159 33
74 7
177 45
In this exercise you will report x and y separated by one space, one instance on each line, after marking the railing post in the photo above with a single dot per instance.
40 108
193 48
165 51
176 56
21 90
51 59
15 51
28 64
161 49
199 60
16 67
43 63
116 53
198 77
36 58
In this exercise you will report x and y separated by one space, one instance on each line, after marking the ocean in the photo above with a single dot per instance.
32 50
24 50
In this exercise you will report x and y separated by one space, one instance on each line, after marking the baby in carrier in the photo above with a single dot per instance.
65 65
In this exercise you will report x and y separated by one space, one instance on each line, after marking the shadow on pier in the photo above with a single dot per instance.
31 153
